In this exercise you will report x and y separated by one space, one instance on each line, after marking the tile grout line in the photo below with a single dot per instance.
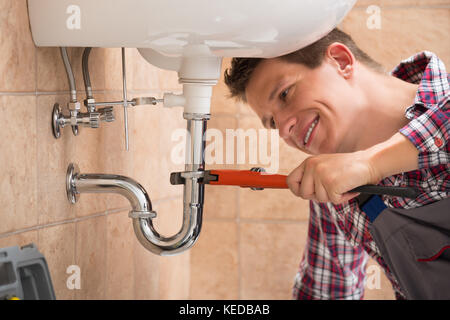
105 248
75 248
66 92
36 70
132 167
37 212
18 93
259 220
36 186
57 223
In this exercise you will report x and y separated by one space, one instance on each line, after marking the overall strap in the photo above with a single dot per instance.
371 205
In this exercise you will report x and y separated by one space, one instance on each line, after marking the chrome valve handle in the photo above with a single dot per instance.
94 120
107 114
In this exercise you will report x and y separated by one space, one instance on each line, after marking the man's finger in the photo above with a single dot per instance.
321 194
294 179
306 190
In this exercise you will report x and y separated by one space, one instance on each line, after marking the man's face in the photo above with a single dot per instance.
315 110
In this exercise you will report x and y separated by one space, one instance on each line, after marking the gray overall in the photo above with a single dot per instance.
415 244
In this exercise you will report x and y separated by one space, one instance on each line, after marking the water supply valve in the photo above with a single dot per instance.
75 118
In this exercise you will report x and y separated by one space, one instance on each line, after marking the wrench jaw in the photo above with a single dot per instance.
204 177
208 177
257 169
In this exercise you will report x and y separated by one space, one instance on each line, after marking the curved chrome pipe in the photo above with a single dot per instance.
142 213
77 183
193 196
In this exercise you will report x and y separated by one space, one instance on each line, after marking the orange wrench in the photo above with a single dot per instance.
259 180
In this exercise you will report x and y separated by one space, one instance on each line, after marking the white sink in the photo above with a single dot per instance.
230 28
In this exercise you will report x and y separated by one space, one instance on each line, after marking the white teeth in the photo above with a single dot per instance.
310 130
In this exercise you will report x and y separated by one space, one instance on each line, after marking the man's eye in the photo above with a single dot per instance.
284 94
272 123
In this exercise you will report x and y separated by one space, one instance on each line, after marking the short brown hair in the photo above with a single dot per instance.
237 77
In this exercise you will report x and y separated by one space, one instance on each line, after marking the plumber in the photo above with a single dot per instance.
360 125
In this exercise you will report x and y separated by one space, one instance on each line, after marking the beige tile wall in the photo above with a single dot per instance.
253 241
96 233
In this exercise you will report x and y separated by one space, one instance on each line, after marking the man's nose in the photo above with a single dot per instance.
287 126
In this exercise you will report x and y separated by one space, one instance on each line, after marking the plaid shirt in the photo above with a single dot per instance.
339 242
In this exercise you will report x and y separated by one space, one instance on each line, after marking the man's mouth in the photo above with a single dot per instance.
307 138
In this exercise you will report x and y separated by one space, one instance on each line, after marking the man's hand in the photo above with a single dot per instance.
330 177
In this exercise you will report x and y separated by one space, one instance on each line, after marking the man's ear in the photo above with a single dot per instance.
341 56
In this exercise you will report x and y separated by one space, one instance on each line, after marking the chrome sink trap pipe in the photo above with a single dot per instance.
193 196
141 212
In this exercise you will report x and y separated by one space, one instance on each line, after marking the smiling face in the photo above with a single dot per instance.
315 110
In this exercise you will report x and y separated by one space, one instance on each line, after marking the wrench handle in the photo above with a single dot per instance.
252 179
